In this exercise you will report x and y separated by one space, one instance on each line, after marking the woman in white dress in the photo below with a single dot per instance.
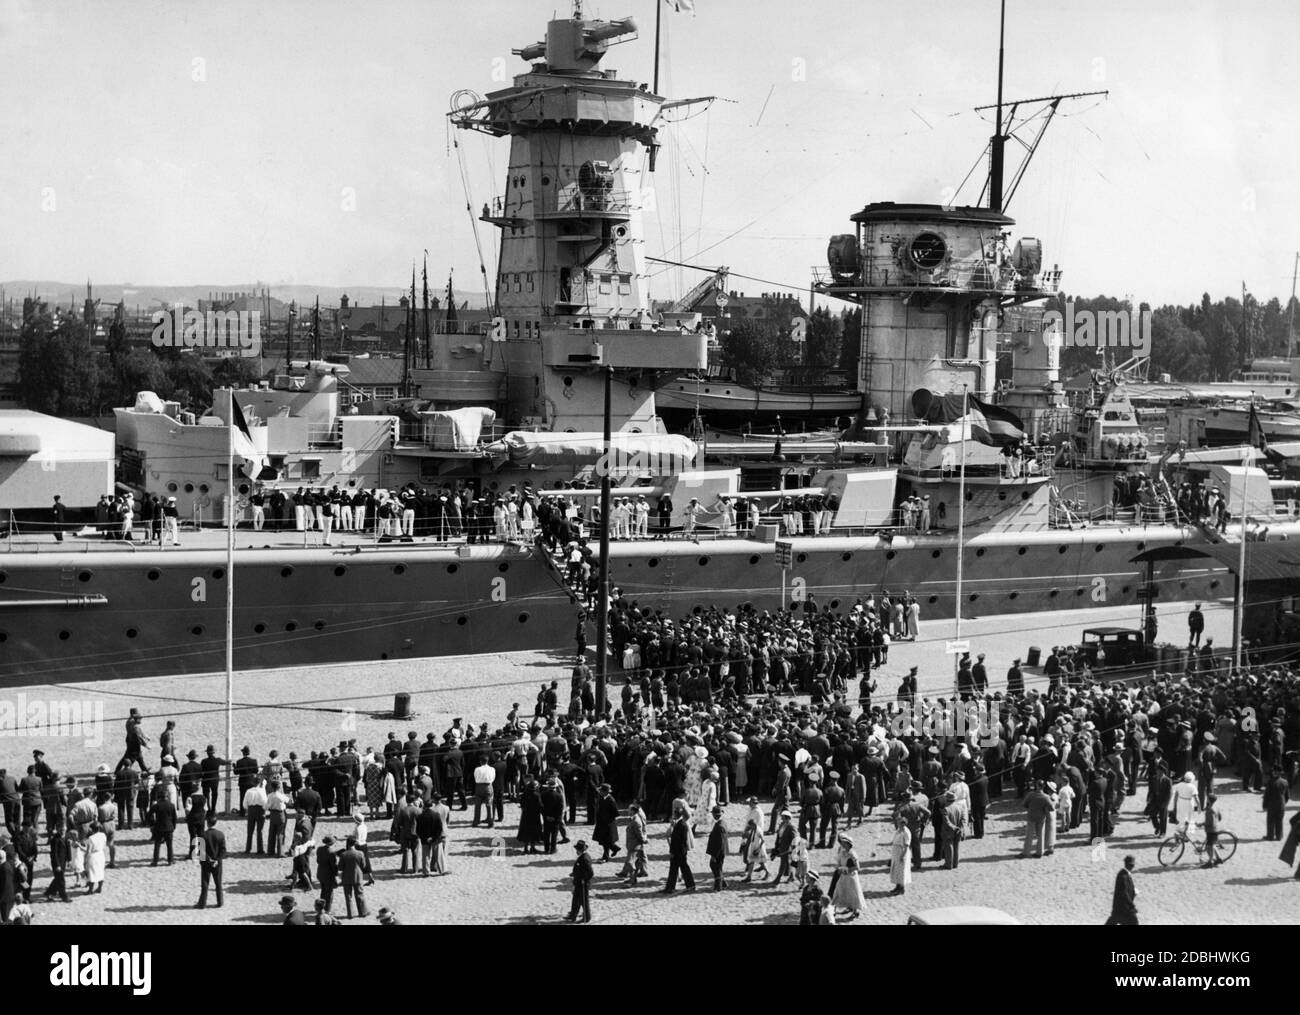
753 850
96 859
847 894
900 867
708 794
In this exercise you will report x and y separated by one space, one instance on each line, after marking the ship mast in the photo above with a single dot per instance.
997 143
1290 311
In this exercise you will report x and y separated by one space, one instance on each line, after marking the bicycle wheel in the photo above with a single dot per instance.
1171 851
1226 846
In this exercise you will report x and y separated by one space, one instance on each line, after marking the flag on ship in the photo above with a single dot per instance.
989 424
682 5
241 439
1255 432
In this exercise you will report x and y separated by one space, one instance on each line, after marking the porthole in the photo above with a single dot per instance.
3 576
1022 551
621 231
1014 595
970 494
1214 583
399 569
890 555
1024 495
980 552
340 571
1142 546
568 381
286 571
936 554
1099 547
1125 590
1053 594
84 576
4 637
1062 549
243 488
704 561
131 632
754 558
319 625
197 630
462 620
800 558
846 556
1182 585
171 488
973 596
933 600
189 487
523 618
1079 592
835 604
154 574
64 635
203 488
291 626
1002 495
654 562
503 567
259 628
697 610
218 573
546 181
453 568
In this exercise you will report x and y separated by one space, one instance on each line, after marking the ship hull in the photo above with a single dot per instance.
116 614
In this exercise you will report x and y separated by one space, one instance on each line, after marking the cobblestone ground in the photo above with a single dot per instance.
490 881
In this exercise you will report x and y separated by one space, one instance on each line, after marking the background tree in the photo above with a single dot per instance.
753 350
58 370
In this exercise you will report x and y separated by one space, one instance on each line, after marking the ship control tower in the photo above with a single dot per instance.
571 287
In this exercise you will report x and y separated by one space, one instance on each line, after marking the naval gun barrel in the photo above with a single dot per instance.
600 31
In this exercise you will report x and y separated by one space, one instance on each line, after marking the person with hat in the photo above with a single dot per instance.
753 850
327 870
606 831
581 875
717 848
814 907
634 839
1195 626
354 873
916 814
900 873
980 675
245 769
1038 812
783 847
212 855
1123 908
171 517
210 769
387 918
293 916
679 849
809 807
832 806
1015 679
846 886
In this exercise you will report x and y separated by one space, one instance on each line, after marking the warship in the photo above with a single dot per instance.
943 292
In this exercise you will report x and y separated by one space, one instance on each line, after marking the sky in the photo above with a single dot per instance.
294 142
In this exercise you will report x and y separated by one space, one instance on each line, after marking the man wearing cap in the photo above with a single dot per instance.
327 870
352 872
679 858
136 741
1038 812
916 812
187 780
1015 679
980 675
832 806
171 522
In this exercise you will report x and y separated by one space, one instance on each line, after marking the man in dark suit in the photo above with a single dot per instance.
352 872
453 773
327 870
1276 794
979 800
163 812
581 874
60 854
552 814
246 769
980 675
718 848
210 869
293 916
307 802
1123 907
679 858
210 769
187 781
408 834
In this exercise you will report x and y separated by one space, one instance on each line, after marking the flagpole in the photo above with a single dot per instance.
230 593
961 523
659 13
1238 605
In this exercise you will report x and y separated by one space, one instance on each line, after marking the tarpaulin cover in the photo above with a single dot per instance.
456 429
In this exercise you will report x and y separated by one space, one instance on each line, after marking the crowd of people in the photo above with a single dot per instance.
711 734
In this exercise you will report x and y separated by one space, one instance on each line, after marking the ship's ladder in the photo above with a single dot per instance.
67 578
666 583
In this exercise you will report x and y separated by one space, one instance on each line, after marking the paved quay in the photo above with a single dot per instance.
490 880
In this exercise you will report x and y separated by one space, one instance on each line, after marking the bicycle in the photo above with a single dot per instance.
1171 850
